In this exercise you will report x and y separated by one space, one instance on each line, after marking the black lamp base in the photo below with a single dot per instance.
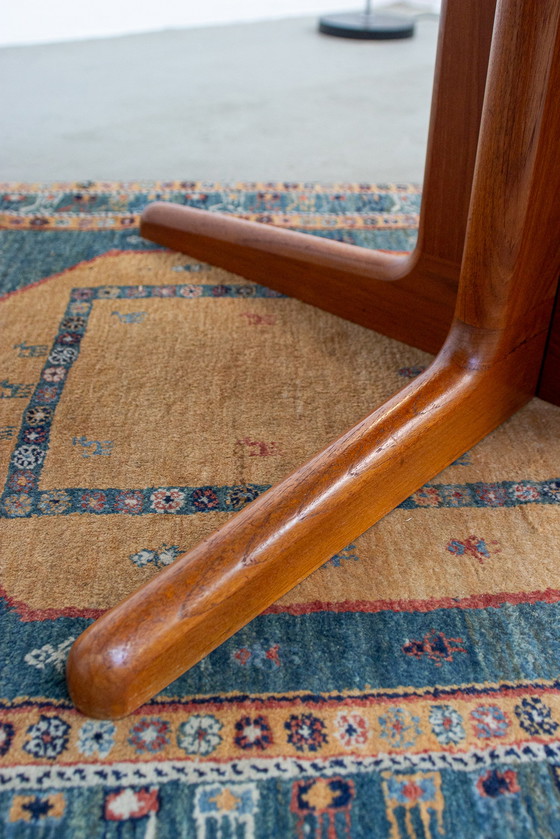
366 26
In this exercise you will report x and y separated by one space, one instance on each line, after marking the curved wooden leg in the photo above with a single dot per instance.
487 369
168 625
351 281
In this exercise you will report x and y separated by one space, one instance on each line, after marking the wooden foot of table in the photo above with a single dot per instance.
368 287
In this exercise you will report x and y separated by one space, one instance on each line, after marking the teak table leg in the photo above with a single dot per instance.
365 286
486 370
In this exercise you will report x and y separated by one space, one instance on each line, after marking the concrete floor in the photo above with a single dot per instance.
263 101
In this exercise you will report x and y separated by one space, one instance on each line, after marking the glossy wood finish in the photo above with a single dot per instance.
365 286
168 625
487 368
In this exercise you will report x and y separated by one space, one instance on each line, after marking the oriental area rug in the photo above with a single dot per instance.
408 689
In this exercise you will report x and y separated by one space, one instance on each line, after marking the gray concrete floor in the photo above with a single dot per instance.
263 101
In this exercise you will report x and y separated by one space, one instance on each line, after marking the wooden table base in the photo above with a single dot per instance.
488 367
365 286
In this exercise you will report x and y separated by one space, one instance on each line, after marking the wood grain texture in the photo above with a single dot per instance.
336 277
487 368
176 619
365 286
